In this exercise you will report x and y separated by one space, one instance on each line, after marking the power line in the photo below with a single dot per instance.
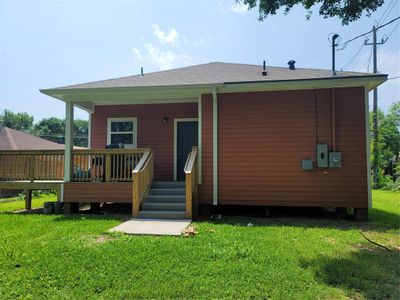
382 19
387 58
394 28
344 45
352 59
394 77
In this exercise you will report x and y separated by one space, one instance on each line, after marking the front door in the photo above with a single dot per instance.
186 138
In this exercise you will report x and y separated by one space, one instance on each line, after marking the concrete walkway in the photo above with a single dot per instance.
153 226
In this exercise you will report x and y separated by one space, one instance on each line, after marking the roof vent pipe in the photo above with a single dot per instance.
141 71
264 72
291 64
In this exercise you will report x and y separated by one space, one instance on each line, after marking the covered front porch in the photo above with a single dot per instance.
91 175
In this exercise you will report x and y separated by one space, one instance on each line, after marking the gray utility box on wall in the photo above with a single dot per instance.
335 159
322 155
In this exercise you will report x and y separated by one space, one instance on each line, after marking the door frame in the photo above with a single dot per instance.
176 121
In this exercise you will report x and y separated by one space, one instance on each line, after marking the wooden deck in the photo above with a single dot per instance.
92 192
116 175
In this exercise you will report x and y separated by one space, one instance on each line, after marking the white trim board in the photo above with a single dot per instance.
176 121
123 119
215 145
367 149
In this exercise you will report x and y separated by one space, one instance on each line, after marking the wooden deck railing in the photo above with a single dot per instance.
108 165
142 177
31 165
191 183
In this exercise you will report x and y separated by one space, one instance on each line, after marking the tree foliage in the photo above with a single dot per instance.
346 10
52 129
388 139
18 121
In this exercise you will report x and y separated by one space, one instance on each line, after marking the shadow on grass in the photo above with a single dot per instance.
373 273
384 217
303 217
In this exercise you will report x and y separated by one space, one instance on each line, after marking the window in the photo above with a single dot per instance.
122 130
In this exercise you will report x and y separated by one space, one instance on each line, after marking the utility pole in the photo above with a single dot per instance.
375 164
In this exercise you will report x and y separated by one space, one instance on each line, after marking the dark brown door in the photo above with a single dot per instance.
186 138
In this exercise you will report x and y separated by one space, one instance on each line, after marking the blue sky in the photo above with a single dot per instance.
46 44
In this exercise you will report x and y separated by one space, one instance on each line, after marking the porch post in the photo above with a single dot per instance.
215 146
69 143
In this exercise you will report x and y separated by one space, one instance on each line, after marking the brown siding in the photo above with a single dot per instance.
263 137
120 192
152 132
206 187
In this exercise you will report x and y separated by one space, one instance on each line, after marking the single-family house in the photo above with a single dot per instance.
221 134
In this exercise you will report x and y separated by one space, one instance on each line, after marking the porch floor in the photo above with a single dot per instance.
152 227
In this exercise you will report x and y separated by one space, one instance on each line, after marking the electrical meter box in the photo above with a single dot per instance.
307 164
335 159
322 155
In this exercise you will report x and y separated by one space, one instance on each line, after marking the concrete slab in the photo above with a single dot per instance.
152 226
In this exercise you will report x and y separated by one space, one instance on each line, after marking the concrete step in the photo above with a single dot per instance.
163 206
168 184
157 214
165 199
167 191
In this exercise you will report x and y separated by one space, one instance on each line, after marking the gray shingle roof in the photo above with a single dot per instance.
214 73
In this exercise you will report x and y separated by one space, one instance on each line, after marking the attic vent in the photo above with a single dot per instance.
264 72
291 65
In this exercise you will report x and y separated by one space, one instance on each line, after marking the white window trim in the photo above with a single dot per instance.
135 130
176 121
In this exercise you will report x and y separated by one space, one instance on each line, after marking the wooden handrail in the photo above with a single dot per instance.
191 183
110 151
142 177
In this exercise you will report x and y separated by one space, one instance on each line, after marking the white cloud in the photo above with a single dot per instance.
239 8
169 38
137 53
163 60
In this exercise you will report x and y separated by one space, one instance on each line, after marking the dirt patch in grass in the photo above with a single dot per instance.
91 240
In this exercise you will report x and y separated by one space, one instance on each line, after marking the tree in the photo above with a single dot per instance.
51 129
346 10
81 133
17 121
389 138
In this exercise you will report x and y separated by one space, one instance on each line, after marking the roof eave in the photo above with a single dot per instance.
87 97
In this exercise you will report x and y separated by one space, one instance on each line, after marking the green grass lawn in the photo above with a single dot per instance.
50 256
15 203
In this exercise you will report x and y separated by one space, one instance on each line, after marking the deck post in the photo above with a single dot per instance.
69 142
28 199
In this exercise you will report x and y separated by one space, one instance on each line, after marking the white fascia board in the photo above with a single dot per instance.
82 97
369 82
